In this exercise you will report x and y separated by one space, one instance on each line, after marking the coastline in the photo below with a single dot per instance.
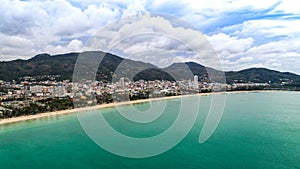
102 106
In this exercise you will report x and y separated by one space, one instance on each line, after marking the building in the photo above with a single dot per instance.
195 83
36 89
59 91
122 83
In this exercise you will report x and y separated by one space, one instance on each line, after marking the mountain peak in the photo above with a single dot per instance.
190 64
63 65
40 56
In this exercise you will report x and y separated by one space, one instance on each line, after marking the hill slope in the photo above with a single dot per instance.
262 75
114 67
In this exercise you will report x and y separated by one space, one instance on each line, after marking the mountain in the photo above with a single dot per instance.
256 75
188 69
42 64
63 65
113 67
262 75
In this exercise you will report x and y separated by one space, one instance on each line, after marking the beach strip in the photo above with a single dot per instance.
101 106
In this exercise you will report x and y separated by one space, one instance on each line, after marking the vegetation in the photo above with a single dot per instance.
47 105
261 75
114 67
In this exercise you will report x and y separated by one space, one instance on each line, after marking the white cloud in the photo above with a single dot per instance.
134 35
229 46
15 47
46 24
214 6
270 28
288 6
268 35
245 59
75 46
283 55
206 13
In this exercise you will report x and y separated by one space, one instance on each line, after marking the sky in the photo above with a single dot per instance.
243 33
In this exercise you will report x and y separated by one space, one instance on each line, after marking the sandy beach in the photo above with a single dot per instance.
101 106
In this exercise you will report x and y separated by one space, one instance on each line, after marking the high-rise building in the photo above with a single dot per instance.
195 83
122 83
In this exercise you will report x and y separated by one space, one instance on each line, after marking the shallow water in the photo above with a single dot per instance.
258 130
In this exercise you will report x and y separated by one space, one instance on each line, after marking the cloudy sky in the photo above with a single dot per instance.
243 33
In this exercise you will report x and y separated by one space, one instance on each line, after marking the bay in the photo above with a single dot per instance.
257 130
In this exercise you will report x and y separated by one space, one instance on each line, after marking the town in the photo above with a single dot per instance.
32 95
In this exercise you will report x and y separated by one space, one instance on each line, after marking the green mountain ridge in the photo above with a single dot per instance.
113 67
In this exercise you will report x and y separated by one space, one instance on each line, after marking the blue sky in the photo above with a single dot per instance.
243 33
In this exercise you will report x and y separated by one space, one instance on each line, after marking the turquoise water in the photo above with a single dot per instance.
258 130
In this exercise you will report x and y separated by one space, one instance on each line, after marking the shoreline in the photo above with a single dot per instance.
102 106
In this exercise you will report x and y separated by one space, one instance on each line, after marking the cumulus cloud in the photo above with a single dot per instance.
151 33
73 46
46 24
229 47
15 47
243 33
239 53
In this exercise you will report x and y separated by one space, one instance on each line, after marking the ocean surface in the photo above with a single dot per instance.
257 130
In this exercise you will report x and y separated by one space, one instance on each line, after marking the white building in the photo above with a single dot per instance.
59 91
195 83
122 83
36 89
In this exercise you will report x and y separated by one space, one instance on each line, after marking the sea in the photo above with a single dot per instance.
257 130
